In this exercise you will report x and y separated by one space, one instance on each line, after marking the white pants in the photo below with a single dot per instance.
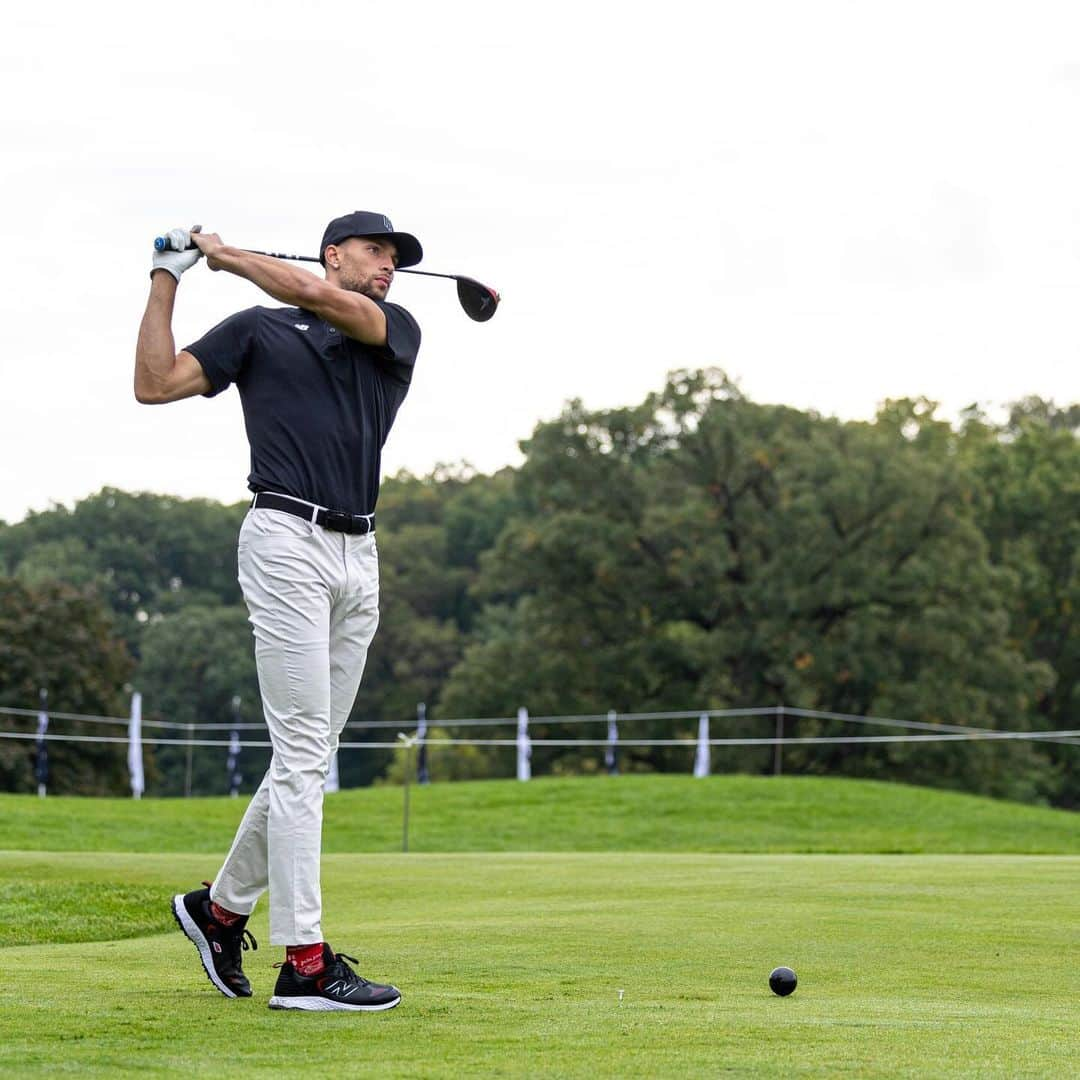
313 599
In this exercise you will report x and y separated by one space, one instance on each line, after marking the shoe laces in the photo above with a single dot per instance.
337 968
342 970
238 942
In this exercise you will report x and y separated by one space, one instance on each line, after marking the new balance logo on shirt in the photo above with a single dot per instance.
301 326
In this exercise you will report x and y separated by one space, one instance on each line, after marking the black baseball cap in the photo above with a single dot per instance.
367 223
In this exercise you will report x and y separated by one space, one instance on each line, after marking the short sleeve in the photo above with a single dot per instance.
224 351
398 355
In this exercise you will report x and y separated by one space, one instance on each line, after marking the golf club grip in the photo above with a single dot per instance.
161 243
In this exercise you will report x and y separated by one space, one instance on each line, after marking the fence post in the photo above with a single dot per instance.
187 768
135 762
611 759
778 749
422 776
409 744
41 758
524 746
232 764
701 758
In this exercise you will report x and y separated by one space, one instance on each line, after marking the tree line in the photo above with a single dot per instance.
699 550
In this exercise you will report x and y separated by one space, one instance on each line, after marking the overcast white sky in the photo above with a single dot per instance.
836 202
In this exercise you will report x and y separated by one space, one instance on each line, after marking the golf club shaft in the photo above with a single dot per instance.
161 243
312 258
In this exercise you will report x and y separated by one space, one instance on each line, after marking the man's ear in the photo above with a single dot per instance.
332 257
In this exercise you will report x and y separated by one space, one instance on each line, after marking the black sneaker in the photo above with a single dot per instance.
337 986
219 946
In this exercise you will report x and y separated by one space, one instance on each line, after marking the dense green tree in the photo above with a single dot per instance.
703 550
1038 412
145 553
1029 511
62 639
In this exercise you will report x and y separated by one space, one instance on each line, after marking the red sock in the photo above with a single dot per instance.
307 959
223 915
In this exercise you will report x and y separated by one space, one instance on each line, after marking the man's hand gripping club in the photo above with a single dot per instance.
180 254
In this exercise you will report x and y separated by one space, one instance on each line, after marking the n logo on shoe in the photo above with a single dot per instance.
216 946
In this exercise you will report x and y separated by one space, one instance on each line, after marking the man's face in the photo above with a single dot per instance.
364 264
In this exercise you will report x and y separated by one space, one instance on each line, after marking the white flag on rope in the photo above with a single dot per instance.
422 774
41 758
332 782
611 761
135 765
524 746
232 763
701 758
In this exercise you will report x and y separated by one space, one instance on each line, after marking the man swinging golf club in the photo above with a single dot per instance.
320 382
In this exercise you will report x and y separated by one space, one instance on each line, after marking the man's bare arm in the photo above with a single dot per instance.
352 313
161 373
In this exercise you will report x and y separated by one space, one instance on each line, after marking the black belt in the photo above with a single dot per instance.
338 520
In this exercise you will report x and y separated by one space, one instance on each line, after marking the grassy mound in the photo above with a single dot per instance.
628 813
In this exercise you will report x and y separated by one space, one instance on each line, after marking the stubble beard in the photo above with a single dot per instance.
364 286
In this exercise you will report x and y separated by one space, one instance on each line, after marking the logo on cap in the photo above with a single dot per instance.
386 222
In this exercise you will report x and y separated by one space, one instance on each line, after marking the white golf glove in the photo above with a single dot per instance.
177 257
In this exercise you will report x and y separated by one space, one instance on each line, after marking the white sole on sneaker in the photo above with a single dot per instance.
321 1004
198 939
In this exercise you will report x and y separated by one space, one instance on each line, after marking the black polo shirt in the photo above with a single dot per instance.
318 404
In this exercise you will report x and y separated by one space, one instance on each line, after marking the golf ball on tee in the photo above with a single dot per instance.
782 981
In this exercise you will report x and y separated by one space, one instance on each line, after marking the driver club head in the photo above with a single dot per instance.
478 301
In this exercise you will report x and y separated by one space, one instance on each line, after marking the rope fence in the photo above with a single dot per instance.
414 736
787 740
693 714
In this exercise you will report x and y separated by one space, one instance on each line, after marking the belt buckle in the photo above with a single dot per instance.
338 521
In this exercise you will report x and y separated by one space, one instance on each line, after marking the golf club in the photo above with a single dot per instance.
477 300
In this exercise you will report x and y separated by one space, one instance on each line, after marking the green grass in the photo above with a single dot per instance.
37 906
953 958
630 813
511 964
